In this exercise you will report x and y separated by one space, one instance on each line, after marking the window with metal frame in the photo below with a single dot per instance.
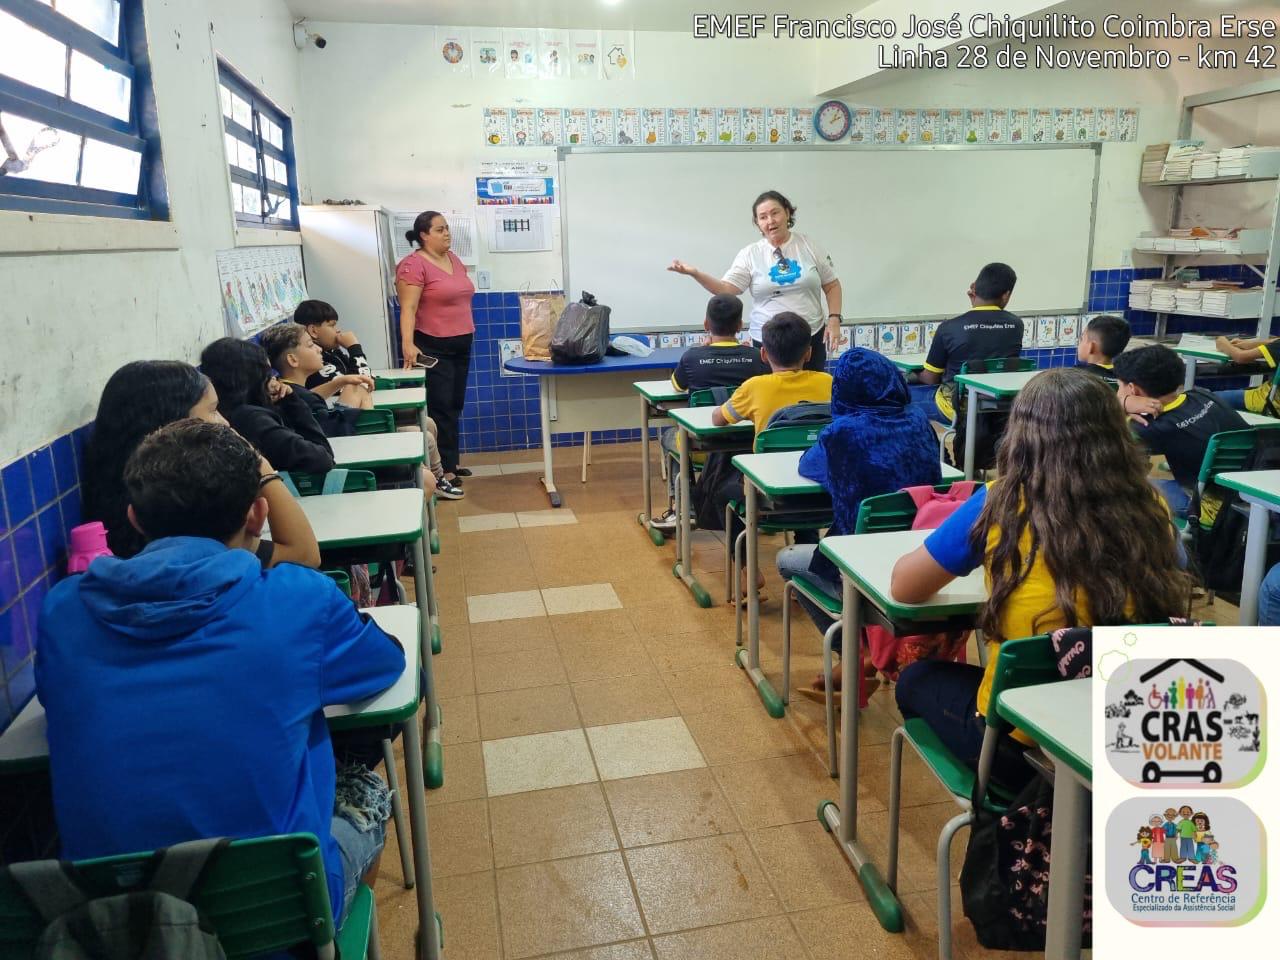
78 128
259 143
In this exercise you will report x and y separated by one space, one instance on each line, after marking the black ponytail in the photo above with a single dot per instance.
421 225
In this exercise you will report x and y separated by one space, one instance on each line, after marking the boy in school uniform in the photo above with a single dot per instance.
1181 430
342 352
986 332
1101 341
724 362
185 687
1252 399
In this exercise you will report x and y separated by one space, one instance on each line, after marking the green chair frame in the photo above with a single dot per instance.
260 895
375 421
960 397
1020 663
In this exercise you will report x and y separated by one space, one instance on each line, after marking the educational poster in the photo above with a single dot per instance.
666 341
860 126
997 126
1068 330
1028 333
553 54
497 127
550 127
575 127
520 56
259 286
453 51
779 120
697 339
909 338
653 126
843 344
519 229
930 331
802 124
975 126
1063 124
679 126
906 126
502 183
1047 331
602 127
1107 119
1128 126
1086 125
585 49
486 46
728 126
752 125
1019 126
704 126
618 48
929 123
523 124
882 127
864 335
887 338
1041 125
952 126
627 126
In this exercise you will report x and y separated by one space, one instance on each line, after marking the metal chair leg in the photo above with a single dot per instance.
944 881
403 838
374 950
895 805
730 584
828 680
740 598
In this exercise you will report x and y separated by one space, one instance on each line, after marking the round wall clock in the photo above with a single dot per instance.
832 120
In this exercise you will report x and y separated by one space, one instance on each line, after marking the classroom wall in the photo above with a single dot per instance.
71 319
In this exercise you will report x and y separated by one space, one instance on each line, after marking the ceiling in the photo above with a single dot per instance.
675 15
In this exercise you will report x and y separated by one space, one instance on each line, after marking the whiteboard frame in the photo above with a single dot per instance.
562 153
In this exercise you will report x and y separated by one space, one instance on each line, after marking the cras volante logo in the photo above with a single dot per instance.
1185 722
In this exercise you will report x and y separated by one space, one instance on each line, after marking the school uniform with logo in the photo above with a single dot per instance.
983 333
1106 370
786 278
1255 398
722 363
1181 433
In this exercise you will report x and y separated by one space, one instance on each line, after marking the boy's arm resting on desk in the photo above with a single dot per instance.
948 553
301 445
293 540
738 407
359 657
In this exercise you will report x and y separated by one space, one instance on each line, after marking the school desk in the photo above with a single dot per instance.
907 362
401 377
1194 350
1057 717
593 396
998 389
376 451
1261 490
865 562
1258 419
697 432
404 398
656 398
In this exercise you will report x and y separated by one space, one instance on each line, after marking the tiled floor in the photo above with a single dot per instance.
613 787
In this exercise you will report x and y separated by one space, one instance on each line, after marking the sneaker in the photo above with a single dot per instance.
665 523
448 491
461 472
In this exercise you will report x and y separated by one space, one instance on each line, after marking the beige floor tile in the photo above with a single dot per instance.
580 599
669 806
918 843
692 651
558 517
534 667
697 883
454 672
594 626
522 466
631 950
650 580
622 700
516 713
919 786
806 867
550 824
467 905
460 723
460 838
463 774
484 577
766 793
505 606
485 470
643 747
769 938
565 905
477 522
537 762
851 930
729 736
713 687
604 659
665 619
508 636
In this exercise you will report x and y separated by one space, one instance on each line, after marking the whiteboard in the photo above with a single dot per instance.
907 230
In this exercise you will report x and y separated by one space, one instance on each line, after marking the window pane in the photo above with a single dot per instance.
225 95
108 167
100 16
50 155
248 157
278 207
240 112
272 133
95 86
276 171
33 57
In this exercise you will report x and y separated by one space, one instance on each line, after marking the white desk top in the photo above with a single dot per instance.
778 474
697 420
997 384
400 375
907 361
378 449
1258 419
361 519
1260 485
405 398
1058 716
658 391
26 738
1198 347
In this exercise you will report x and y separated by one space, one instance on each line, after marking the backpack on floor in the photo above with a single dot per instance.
582 333
157 922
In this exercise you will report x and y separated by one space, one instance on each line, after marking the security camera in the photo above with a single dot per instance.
302 36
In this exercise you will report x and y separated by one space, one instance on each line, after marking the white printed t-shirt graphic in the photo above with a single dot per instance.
793 282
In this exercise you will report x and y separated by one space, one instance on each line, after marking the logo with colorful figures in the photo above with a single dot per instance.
1196 863
1175 723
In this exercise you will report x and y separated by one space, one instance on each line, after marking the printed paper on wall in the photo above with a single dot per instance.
497 127
679 126
617 48
553 54
585 51
453 51
653 126
779 120
520 53
802 124
627 126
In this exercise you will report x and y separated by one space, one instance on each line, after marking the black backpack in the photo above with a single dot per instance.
581 334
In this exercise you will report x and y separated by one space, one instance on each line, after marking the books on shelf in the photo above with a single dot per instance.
1153 162
1235 240
1177 162
1187 161
1187 300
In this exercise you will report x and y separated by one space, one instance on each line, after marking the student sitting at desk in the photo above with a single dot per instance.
296 357
877 442
185 688
1186 422
343 355
987 331
1253 399
142 397
724 362
1101 341
1070 477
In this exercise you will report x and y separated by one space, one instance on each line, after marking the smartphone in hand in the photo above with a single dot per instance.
425 363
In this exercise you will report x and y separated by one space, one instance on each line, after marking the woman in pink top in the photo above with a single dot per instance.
435 322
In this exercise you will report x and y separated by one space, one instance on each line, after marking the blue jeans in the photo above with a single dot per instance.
1177 498
668 443
1232 398
1269 599
359 851
796 559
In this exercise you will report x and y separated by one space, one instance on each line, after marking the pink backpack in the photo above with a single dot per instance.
889 654
85 544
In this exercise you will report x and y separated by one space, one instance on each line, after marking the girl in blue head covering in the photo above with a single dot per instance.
877 442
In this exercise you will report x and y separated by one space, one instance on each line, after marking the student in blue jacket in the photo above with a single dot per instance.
185 687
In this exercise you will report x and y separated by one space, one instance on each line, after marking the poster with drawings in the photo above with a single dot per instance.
1086 125
653 126
752 125
864 335
453 45
975 126
860 126
553 54
1041 125
1068 330
887 338
497 127
842 345
617 49
523 121
679 126
627 126
952 126
779 125
1019 126
881 127
259 286
1128 126
704 126
550 127
930 331
520 53
602 126
585 51
997 126
1107 120
802 124
666 341
909 338
1063 124
906 126
1047 331
728 126
575 127
1028 333
930 122
486 47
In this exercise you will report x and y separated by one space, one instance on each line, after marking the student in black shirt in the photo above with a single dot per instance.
342 357
721 363
1186 421
986 332
1101 341
296 357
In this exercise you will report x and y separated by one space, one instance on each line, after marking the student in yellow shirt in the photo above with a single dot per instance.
1254 399
1071 534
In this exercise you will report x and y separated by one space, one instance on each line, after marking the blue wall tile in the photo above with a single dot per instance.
26 547
64 463
17 492
43 485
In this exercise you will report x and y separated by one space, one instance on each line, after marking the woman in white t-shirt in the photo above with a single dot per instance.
783 271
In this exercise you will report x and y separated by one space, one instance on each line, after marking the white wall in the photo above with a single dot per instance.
70 319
